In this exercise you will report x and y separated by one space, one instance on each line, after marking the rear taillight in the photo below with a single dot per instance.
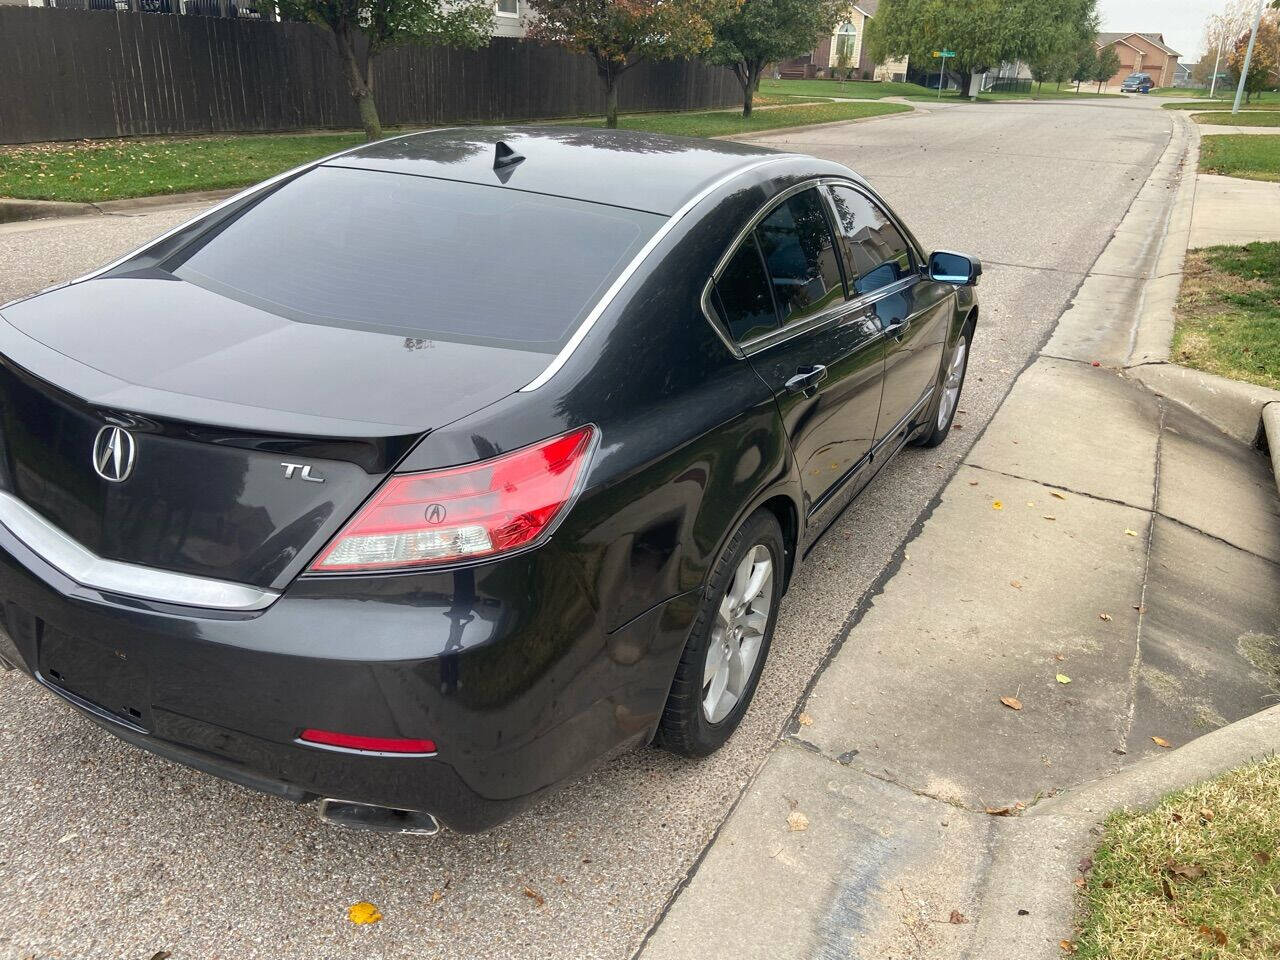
461 513
348 741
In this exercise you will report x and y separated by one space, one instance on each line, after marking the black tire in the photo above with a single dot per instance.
685 727
937 432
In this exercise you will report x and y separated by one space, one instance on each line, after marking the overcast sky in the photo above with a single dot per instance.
1181 21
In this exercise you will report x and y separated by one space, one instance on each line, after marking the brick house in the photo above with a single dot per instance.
847 38
1142 53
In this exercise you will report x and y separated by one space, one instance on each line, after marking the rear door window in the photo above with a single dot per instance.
745 303
420 257
799 254
876 254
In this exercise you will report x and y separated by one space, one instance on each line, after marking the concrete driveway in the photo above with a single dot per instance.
108 852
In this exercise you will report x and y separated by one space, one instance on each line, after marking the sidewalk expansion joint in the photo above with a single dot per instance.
1213 536
1058 486
1136 665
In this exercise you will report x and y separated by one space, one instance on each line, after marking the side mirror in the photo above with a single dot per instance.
946 267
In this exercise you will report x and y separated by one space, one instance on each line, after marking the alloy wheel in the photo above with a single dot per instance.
951 386
738 633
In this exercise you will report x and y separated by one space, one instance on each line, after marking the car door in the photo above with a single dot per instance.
783 299
909 309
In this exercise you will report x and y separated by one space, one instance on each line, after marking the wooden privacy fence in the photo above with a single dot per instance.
72 74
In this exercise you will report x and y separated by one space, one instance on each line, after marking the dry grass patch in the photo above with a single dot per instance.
1228 315
1197 877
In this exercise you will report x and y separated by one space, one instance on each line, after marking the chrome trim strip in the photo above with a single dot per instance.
603 303
246 192
128 579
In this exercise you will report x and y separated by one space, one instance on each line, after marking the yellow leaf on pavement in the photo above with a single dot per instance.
1063 678
805 720
797 821
1013 703
997 505
363 912
1131 533
1160 741
1060 496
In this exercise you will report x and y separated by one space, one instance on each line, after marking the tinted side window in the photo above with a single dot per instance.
745 304
875 252
800 254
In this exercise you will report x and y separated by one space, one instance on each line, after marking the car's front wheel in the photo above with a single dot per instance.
727 646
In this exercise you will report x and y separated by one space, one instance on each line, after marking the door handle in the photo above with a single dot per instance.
898 330
807 379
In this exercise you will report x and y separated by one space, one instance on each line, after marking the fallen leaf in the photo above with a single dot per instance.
957 917
805 720
1016 584
1080 882
1023 912
1214 934
1166 889
1066 945
1013 703
1085 865
533 895
997 505
1160 741
1000 811
1263 858
363 912
1031 503
1047 517
161 955
1059 657
973 483
1060 496
1206 814
1131 533
1096 363
797 821
436 896
1140 608
1176 817
1187 871
1063 678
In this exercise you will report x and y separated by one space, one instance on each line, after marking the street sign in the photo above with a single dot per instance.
944 53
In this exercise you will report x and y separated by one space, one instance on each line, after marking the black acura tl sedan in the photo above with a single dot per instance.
423 478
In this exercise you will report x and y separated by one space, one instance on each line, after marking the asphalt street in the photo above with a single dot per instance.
109 852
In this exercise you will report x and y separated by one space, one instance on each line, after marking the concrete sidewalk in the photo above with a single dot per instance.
1103 556
1229 210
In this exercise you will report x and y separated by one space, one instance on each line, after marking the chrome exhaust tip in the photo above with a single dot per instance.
364 816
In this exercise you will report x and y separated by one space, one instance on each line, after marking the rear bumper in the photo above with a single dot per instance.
506 666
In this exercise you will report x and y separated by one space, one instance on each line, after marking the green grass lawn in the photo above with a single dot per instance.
1254 118
112 170
1268 100
723 123
1248 155
1198 877
858 89
1201 93
1228 316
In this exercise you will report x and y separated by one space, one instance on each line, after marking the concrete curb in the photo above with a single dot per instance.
1271 434
1233 406
1154 335
18 211
755 135
1065 829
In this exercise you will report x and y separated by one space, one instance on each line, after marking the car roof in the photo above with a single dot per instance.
626 168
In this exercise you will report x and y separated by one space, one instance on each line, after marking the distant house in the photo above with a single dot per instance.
1142 53
510 18
1182 74
846 42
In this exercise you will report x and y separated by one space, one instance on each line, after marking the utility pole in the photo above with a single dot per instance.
1248 56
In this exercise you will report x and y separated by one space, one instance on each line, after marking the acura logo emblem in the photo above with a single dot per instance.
114 451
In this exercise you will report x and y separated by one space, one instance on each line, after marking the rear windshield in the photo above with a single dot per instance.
418 257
